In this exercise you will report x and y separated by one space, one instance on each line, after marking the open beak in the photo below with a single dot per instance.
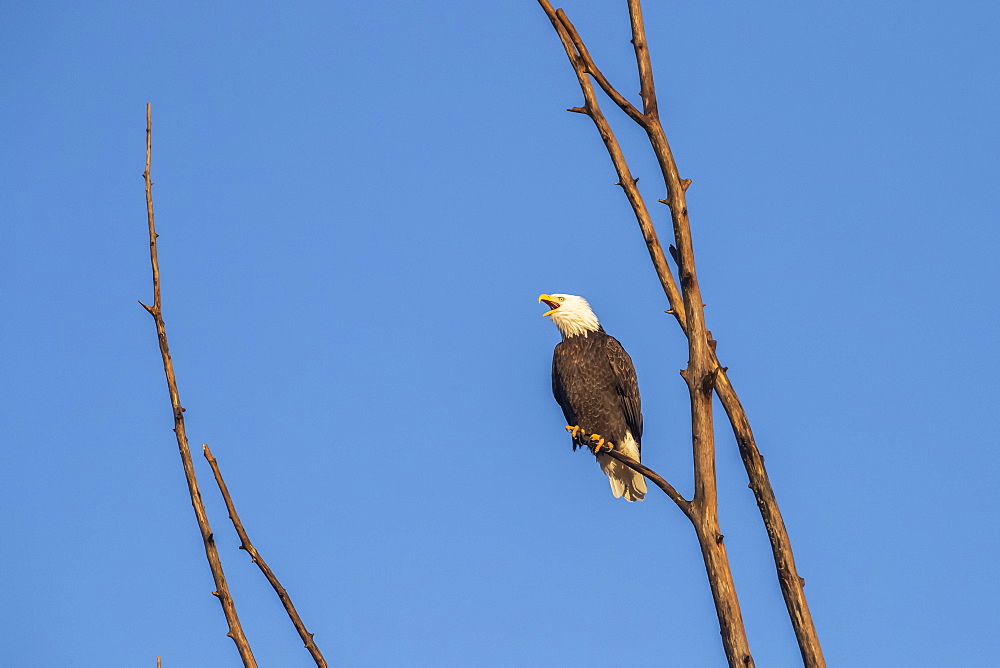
550 302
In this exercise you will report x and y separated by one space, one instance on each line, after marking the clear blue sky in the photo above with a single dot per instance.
359 204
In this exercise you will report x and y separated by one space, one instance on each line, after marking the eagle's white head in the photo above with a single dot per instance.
571 314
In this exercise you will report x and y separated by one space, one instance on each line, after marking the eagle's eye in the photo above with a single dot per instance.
562 299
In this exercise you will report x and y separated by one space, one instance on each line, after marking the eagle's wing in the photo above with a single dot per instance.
562 397
626 385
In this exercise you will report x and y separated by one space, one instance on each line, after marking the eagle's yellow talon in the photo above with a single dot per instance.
600 443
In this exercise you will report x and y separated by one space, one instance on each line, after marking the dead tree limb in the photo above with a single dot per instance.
701 365
792 585
654 478
245 544
687 309
211 551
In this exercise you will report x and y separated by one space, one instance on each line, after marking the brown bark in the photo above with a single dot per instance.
703 373
211 551
245 544
792 586
701 368
654 478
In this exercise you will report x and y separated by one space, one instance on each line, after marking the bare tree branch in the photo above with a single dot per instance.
642 61
592 69
211 551
245 544
792 585
655 478
688 308
625 180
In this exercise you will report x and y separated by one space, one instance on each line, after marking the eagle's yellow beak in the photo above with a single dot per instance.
550 302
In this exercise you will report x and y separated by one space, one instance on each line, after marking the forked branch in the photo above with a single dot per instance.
687 308
245 544
625 179
211 551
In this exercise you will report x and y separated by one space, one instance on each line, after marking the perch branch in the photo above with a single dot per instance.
211 551
653 477
245 544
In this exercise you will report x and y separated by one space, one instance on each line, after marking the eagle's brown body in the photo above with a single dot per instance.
594 382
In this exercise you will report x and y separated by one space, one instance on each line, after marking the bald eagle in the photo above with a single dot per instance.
594 382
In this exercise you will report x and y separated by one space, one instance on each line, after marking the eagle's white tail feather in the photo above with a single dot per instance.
624 481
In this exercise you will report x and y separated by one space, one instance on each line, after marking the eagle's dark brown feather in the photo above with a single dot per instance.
594 382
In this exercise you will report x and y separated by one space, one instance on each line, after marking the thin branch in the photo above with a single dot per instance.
211 551
625 180
595 72
646 89
654 478
245 544
792 585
